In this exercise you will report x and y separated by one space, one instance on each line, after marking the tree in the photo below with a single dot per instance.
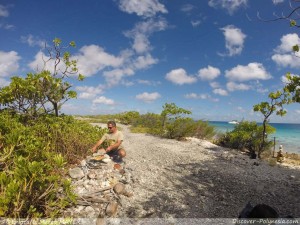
277 100
45 91
171 110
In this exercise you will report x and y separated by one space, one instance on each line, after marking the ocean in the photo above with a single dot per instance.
287 134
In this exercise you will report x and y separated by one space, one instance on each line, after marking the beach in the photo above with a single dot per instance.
197 179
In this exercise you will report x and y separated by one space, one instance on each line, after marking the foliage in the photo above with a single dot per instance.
172 111
34 160
293 87
128 117
46 91
246 135
149 123
277 100
171 124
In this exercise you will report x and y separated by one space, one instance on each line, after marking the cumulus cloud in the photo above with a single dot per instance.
287 43
286 60
180 77
114 77
230 5
148 97
220 91
144 61
232 86
253 71
148 82
93 58
103 100
9 63
145 8
284 55
209 73
33 41
89 92
214 84
234 39
141 32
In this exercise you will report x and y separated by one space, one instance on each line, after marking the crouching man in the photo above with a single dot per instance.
114 138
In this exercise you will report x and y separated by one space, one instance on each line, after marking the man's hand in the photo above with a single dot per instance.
94 149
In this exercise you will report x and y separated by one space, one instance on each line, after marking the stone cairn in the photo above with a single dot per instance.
100 185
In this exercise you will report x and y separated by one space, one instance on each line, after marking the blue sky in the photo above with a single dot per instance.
214 57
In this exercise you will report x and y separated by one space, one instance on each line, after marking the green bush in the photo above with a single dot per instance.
245 135
34 159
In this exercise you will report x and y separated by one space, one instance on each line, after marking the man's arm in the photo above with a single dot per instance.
114 146
94 149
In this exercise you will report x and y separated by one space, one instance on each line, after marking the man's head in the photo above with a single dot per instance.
111 126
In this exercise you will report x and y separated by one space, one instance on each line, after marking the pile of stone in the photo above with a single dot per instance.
100 185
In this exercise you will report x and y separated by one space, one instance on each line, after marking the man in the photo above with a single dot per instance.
114 137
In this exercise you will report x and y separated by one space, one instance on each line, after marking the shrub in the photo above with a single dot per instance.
245 135
34 160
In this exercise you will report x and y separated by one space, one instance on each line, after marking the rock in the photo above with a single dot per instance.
111 209
76 173
83 163
119 188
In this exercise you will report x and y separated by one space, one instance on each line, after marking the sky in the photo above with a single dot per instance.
216 58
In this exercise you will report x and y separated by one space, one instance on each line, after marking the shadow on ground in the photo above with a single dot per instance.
202 190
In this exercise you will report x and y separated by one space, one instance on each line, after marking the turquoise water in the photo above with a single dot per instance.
286 134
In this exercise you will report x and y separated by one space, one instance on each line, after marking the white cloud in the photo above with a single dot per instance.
286 60
200 96
284 54
287 43
253 71
4 82
234 39
187 8
232 86
214 84
196 96
89 92
144 61
209 73
3 11
145 8
38 63
285 80
148 82
230 5
33 41
297 111
93 59
275 2
220 91
196 23
148 97
141 32
103 100
180 77
9 63
115 76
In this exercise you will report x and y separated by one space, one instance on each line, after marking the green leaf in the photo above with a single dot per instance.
293 23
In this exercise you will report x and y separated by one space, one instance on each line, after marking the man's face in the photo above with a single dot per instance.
111 128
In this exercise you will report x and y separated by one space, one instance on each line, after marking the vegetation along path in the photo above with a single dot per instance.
197 179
